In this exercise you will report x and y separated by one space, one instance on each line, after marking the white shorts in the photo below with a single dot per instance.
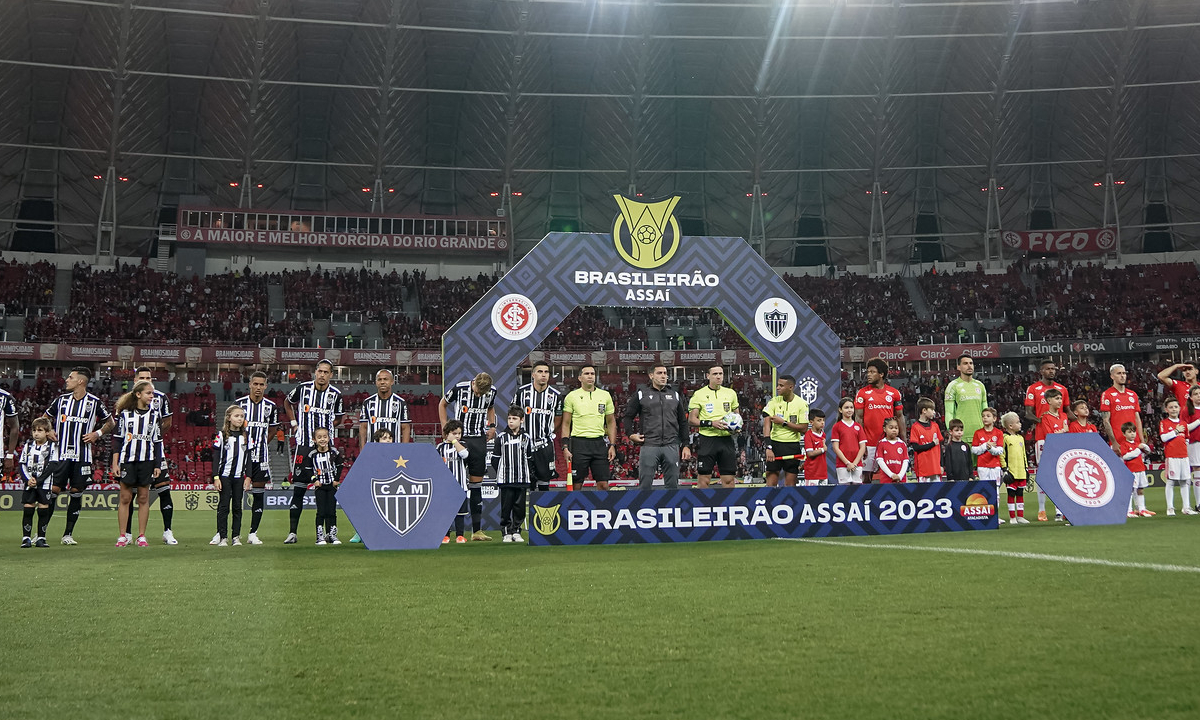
1194 454
987 474
1140 481
1037 451
930 478
1178 469
868 464
846 476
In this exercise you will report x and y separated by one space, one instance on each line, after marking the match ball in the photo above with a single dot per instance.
733 420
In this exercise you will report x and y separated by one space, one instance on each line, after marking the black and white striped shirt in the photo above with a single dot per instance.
261 416
36 461
540 410
456 461
513 453
471 409
315 409
162 404
231 454
322 468
381 414
73 418
138 433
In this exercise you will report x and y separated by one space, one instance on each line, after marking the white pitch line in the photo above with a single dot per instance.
1071 559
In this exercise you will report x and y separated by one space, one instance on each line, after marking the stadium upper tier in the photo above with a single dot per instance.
132 303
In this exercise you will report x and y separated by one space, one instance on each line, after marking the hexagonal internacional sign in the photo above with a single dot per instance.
1085 479
400 496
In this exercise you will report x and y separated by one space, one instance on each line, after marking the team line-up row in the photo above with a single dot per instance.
865 441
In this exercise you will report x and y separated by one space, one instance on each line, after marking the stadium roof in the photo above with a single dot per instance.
826 105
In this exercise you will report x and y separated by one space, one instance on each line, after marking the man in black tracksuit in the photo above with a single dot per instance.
664 428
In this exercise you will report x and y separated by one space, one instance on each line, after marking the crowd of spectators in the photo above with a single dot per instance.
331 292
24 286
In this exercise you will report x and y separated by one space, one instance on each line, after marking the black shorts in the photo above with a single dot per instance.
477 448
589 455
718 451
164 478
541 467
260 474
73 474
36 495
785 448
138 474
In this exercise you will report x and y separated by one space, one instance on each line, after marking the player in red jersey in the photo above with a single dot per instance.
849 445
1133 453
1082 422
926 439
987 445
874 404
892 454
1035 394
1180 389
816 461
1190 411
1053 420
1119 405
1173 430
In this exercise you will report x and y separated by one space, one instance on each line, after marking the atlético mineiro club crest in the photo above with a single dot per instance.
775 321
401 500
1085 479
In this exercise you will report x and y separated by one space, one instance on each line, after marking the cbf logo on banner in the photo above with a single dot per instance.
652 516
400 496
1085 479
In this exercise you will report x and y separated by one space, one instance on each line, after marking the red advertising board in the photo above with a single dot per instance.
1096 240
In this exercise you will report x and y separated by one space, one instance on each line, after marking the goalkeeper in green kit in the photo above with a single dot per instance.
966 397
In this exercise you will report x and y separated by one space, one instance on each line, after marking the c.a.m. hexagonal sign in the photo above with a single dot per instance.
400 496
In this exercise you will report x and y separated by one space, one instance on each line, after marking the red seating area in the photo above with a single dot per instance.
24 286
336 291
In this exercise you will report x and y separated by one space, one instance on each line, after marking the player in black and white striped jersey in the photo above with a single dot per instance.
79 419
454 454
510 453
261 415
38 459
474 404
233 456
543 407
161 484
138 460
322 468
12 428
311 406
384 410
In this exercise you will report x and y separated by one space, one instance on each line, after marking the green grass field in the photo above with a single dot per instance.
757 629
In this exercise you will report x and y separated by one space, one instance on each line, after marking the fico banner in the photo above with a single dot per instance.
656 516
1096 240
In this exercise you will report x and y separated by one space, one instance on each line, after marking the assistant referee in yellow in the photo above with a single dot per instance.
589 428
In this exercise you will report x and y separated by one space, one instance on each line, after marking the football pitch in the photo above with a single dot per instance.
1034 621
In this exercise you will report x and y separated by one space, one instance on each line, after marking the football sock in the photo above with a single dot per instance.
1041 501
1012 504
1020 503
297 505
476 501
27 522
460 524
1131 497
256 511
1170 490
74 505
1141 502
1185 494
44 519
164 504
129 520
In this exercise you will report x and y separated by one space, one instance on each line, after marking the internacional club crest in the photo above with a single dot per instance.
646 234
775 319
1086 477
401 500
514 317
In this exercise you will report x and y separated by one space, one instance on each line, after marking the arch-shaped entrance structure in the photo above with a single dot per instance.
566 270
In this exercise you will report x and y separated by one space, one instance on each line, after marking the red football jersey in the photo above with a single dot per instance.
892 454
815 468
1138 464
1122 407
1077 427
1049 424
848 437
1194 434
927 463
1035 397
988 460
877 405
1176 447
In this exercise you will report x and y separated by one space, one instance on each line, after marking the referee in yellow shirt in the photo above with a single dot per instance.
716 445
589 416
785 420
